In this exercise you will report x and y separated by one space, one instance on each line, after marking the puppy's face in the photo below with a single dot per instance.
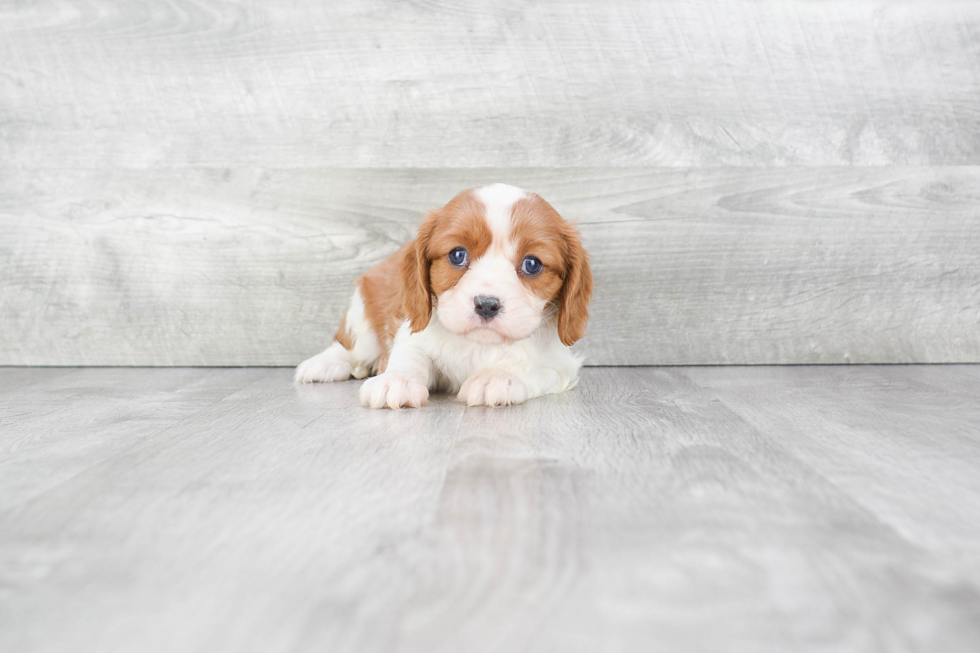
498 262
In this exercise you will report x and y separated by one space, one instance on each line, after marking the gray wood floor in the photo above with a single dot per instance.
675 509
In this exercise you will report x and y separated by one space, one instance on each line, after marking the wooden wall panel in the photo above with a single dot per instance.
197 182
737 265
448 83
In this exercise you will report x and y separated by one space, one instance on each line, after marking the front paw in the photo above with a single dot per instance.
493 388
391 390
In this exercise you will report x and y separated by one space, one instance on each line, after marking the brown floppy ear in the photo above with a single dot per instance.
416 290
573 303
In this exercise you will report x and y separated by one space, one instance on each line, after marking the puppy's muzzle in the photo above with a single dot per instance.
486 307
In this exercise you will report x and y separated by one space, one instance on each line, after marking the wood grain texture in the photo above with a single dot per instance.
453 83
709 509
74 419
198 182
212 267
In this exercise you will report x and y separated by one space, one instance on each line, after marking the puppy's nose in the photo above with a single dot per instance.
486 307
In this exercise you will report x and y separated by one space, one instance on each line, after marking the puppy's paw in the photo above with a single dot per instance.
330 365
391 390
493 388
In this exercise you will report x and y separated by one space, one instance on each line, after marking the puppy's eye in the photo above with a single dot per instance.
458 257
531 266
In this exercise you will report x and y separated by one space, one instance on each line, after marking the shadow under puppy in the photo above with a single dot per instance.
484 302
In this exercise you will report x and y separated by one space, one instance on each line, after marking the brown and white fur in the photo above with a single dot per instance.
417 321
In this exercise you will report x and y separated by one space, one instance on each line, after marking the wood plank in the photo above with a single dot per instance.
14 380
356 83
886 438
737 509
62 423
232 267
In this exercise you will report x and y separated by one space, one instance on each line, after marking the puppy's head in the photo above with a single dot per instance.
494 264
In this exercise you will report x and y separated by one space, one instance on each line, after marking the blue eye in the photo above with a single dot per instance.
458 257
531 266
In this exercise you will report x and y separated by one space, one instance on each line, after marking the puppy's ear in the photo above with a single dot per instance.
416 289
576 292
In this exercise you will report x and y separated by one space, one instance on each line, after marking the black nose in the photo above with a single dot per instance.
486 307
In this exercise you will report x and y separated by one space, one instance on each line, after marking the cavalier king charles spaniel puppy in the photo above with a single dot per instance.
483 303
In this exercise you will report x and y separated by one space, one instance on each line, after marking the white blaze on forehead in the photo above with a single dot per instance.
499 200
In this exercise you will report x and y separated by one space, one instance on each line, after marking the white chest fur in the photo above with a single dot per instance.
540 361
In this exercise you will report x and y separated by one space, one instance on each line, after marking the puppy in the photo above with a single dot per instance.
483 303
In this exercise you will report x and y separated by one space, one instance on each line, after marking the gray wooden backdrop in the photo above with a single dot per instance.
195 182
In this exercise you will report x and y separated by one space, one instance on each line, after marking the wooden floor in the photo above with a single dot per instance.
669 509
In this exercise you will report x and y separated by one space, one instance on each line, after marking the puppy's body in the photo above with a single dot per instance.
483 303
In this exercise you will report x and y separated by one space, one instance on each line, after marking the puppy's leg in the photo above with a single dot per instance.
554 369
405 381
494 387
353 352
332 364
